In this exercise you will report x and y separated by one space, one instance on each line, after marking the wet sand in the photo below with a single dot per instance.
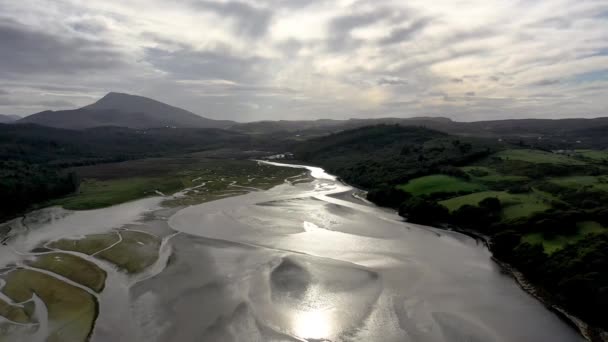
304 263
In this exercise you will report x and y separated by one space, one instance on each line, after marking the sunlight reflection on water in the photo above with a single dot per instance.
313 324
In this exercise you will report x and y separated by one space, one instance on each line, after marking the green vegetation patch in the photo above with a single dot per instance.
95 194
537 157
134 253
598 183
106 184
14 313
593 155
72 267
554 244
514 205
488 175
439 183
89 244
72 311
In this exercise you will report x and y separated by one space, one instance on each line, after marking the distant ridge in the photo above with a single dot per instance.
124 110
8 118
506 127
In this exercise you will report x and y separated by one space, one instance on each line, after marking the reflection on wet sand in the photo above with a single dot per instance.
303 261
313 324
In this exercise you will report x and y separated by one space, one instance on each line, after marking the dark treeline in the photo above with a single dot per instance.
34 160
23 184
62 147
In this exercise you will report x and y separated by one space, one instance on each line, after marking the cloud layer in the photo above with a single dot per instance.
307 59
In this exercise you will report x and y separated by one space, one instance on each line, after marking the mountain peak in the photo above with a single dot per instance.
114 94
126 110
124 102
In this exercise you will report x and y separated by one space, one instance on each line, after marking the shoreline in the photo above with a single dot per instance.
588 332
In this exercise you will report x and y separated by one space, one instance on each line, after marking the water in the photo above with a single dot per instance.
311 262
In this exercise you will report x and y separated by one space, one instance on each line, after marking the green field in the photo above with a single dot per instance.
110 184
71 311
98 194
593 155
552 245
490 176
537 157
514 205
89 244
599 183
134 253
72 267
439 183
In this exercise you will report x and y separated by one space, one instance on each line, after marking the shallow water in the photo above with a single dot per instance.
296 263
309 262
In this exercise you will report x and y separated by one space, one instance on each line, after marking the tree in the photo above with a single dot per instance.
418 210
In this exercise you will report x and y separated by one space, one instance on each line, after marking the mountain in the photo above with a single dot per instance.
8 118
124 110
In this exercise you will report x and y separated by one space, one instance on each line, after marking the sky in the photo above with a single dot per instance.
253 60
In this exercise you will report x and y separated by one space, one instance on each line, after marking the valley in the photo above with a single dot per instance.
102 216
271 264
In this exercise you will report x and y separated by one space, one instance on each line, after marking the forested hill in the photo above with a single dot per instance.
375 156
34 159
545 211
63 147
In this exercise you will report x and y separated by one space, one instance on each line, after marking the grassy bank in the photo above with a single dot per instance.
110 184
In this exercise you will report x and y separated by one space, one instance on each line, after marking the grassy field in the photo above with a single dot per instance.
14 313
109 184
554 244
593 155
539 157
89 244
99 194
490 176
599 183
514 205
439 183
71 310
134 253
72 267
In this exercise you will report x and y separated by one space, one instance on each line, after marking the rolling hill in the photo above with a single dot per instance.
124 110
8 118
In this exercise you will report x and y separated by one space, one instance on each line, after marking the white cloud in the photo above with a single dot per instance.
271 59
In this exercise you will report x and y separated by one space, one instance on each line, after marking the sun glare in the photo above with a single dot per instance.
313 324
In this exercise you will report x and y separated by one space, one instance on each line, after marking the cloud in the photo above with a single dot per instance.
308 59
249 20
391 81
205 65
27 51
405 33
545 82
41 103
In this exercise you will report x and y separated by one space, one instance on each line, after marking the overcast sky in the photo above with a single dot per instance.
305 59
